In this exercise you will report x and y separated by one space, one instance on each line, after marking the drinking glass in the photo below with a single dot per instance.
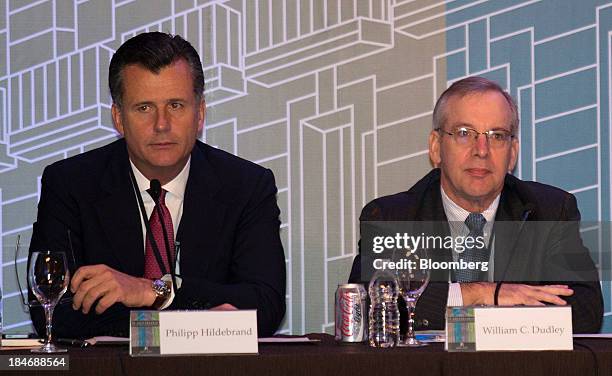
412 282
48 275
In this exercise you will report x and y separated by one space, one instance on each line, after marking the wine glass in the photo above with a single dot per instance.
412 282
48 275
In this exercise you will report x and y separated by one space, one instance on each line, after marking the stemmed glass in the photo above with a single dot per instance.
48 275
412 281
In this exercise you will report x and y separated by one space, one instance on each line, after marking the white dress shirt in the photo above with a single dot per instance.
456 216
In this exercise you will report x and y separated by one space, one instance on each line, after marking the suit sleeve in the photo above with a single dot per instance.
568 259
257 272
59 212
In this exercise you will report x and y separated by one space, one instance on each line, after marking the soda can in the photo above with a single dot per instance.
351 319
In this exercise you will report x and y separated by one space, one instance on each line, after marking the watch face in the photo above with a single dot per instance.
160 287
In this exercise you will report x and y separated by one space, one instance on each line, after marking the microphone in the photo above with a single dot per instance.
155 190
529 208
527 211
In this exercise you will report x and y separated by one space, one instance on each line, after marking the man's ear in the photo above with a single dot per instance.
201 115
116 114
434 148
514 152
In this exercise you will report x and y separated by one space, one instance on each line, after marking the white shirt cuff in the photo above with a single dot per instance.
168 278
455 299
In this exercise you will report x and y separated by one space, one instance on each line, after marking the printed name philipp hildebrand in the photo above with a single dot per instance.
208 332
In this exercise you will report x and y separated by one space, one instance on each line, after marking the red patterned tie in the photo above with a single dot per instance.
152 269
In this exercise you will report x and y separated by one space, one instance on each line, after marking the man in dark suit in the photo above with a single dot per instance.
537 256
227 252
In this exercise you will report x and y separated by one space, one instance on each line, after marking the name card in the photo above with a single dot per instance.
193 332
509 328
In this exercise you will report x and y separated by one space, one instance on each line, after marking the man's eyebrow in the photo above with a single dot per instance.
142 103
462 125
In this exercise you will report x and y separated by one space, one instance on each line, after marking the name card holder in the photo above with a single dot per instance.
509 328
154 333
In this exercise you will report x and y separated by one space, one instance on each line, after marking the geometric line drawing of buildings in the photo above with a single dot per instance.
334 96
215 31
315 37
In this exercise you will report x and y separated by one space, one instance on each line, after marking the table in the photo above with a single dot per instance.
590 357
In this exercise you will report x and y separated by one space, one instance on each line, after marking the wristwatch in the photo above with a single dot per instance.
162 291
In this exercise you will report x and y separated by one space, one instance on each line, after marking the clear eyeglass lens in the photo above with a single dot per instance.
467 136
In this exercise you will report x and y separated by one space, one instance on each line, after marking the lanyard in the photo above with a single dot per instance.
154 245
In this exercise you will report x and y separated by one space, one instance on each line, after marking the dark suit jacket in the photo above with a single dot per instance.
537 253
229 233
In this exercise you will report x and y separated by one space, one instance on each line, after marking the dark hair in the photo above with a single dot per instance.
153 51
472 85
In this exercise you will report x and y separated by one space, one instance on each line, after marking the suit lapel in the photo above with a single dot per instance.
431 212
509 231
119 215
425 199
202 219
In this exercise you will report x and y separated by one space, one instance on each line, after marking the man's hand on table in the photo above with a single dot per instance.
514 294
110 286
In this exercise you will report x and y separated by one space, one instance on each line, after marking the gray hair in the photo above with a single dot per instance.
472 85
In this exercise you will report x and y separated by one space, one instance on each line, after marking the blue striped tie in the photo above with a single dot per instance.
475 223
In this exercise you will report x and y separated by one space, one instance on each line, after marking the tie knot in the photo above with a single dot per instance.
162 196
475 222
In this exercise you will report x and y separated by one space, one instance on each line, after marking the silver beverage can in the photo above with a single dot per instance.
351 320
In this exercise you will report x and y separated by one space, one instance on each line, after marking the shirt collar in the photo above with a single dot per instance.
175 186
455 213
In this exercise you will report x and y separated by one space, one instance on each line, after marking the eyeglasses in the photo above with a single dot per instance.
464 136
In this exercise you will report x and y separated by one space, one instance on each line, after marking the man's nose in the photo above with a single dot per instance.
481 145
162 121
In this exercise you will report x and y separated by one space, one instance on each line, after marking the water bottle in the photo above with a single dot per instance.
383 318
